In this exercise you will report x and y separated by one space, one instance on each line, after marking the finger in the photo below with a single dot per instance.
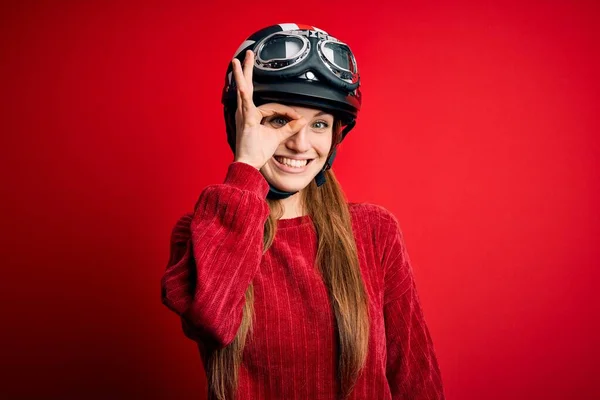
237 91
286 112
239 100
237 73
244 91
291 113
249 66
282 110
240 80
266 112
248 70
292 127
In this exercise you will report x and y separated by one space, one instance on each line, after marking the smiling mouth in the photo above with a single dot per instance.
280 159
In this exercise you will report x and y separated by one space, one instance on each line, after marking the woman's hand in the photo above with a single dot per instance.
256 143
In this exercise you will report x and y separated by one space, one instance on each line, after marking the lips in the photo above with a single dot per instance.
291 170
293 158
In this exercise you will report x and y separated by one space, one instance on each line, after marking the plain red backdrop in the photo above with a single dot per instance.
479 131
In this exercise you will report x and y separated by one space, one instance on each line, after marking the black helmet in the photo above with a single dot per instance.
298 65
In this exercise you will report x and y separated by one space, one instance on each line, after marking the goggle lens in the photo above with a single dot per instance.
281 47
340 56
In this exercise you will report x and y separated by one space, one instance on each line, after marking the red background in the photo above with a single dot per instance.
479 131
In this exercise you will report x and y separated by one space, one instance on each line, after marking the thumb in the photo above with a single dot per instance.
292 127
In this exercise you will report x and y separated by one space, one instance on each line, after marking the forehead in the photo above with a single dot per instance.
309 111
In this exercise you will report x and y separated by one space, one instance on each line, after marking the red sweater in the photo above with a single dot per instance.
216 252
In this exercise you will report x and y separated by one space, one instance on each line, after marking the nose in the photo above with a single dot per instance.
299 142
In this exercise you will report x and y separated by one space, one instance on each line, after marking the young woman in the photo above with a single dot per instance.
290 291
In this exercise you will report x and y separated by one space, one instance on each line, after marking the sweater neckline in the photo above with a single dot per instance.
294 222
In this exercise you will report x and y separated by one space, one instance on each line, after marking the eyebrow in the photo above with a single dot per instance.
314 116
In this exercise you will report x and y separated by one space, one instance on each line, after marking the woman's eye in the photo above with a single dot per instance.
323 124
280 119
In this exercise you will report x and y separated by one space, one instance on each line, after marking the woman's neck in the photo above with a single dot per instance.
292 206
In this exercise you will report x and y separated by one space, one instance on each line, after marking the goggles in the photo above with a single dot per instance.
309 55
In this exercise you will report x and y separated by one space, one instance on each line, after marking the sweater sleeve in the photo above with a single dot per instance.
412 367
215 252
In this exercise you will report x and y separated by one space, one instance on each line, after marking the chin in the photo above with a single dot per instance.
290 182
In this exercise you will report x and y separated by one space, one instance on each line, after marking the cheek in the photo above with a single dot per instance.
323 145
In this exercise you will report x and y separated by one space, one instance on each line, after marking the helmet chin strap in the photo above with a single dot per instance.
276 194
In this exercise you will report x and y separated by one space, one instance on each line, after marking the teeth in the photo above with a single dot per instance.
292 163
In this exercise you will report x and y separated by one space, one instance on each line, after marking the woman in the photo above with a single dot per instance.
289 290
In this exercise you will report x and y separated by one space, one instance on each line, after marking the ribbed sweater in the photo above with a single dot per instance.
217 251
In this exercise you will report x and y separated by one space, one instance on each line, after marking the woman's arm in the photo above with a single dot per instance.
412 367
215 253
